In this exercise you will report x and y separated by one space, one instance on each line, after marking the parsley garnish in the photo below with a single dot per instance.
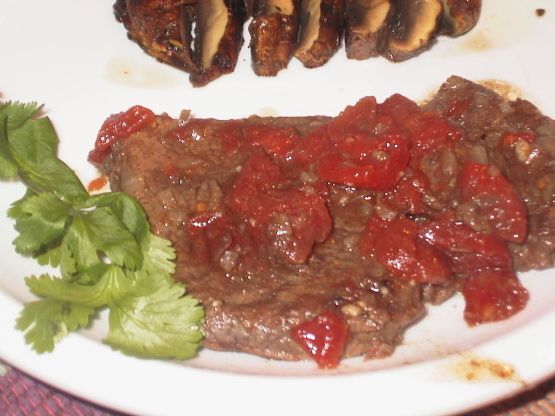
103 247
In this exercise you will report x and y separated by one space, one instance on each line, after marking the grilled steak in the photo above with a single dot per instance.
276 222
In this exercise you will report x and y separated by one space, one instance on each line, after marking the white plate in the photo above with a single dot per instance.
72 56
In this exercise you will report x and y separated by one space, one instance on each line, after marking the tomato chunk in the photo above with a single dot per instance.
323 338
470 251
359 117
393 112
97 184
275 141
508 139
362 161
492 296
407 196
288 220
118 127
431 132
396 245
494 198
257 176
294 221
311 147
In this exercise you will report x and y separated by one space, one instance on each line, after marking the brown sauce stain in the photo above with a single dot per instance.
498 29
478 41
132 74
475 369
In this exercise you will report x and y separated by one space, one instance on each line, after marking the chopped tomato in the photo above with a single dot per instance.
97 184
395 110
257 176
231 135
311 147
508 139
118 127
323 338
307 216
431 132
359 117
362 161
492 296
406 197
470 251
396 245
427 131
494 198
303 217
277 141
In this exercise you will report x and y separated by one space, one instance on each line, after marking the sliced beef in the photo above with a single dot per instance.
279 220
179 169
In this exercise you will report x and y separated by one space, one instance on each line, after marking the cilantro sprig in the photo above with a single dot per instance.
103 247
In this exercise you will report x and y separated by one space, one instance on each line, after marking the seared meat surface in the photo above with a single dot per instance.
268 237
253 305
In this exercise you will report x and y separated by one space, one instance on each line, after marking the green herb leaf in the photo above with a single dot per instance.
94 295
19 113
41 220
162 323
126 209
111 237
8 167
50 257
33 147
107 256
47 321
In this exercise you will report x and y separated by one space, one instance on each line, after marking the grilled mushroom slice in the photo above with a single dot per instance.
321 31
120 11
216 29
414 27
459 16
249 4
274 30
366 27
154 25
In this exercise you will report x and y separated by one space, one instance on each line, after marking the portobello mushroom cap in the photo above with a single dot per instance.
413 28
274 30
321 31
459 16
366 27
